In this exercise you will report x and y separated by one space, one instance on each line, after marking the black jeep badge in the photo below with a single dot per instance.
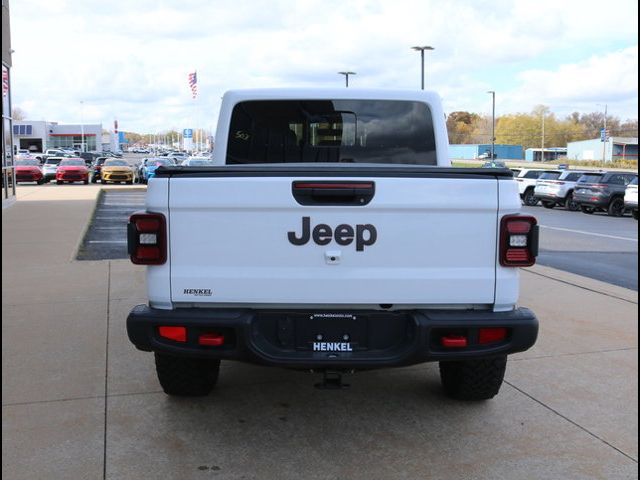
364 235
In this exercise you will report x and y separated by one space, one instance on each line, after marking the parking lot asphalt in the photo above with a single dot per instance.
78 401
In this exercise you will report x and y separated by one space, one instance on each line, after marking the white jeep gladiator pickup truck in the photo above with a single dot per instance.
332 235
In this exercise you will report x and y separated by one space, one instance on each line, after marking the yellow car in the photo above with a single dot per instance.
116 170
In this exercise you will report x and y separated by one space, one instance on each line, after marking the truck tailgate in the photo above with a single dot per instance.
435 242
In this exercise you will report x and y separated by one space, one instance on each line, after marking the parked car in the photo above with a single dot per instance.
556 188
197 162
631 198
50 166
603 192
116 170
526 184
72 170
487 155
494 164
28 170
97 167
89 157
149 166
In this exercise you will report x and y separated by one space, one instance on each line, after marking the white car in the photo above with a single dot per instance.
197 162
556 188
527 182
631 197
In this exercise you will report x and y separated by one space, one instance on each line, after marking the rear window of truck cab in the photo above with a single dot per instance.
352 131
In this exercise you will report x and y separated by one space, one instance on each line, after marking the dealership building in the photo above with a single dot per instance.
474 151
615 148
37 136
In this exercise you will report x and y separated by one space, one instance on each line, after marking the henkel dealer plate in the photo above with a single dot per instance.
331 332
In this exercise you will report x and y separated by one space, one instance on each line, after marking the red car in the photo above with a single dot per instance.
29 170
72 170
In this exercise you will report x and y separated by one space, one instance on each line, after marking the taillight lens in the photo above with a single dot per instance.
147 239
518 241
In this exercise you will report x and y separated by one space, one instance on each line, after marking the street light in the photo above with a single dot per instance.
421 50
82 125
346 77
493 122
604 137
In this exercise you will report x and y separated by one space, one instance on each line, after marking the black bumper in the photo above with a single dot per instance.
375 338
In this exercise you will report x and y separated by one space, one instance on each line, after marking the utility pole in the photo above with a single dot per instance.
346 77
82 125
493 123
604 144
421 50
542 151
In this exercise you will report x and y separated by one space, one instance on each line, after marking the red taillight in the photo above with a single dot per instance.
454 341
147 243
490 335
177 334
518 241
211 339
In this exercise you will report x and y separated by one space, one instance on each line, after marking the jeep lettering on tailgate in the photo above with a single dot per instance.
365 235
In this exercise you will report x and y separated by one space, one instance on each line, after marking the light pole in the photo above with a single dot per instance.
542 150
346 77
604 139
493 123
421 50
82 125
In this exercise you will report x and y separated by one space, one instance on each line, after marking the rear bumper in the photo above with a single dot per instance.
600 201
285 338
549 197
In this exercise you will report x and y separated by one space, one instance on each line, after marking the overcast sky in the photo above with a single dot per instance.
129 60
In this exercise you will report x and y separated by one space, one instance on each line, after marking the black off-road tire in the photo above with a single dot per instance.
547 204
186 377
473 379
529 198
616 207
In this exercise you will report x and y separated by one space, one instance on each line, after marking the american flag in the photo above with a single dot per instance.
5 81
193 81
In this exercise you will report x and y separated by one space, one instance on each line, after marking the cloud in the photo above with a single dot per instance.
130 60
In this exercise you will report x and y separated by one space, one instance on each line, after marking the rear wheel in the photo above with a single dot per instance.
59 182
529 199
616 207
86 182
40 182
473 379
571 204
587 209
547 204
634 214
186 377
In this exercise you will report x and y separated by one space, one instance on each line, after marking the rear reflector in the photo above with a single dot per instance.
518 241
211 339
177 334
490 335
146 238
453 341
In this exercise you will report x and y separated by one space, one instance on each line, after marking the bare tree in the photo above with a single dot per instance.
18 114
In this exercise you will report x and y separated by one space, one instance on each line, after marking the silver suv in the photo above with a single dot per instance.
556 188
49 168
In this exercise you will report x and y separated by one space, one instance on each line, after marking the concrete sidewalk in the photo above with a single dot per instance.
78 401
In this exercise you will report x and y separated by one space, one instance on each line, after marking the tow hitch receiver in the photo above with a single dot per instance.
331 380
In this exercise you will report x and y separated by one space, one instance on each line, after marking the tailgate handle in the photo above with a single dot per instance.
333 192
